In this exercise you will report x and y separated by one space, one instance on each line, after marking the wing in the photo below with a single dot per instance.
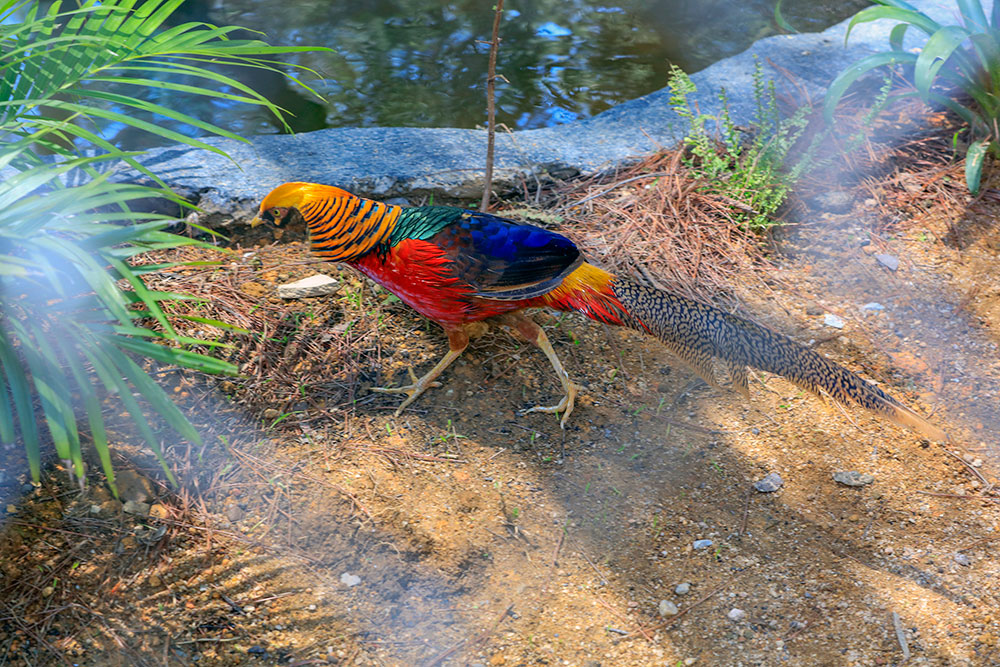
500 259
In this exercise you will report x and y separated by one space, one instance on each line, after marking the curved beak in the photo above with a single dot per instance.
256 221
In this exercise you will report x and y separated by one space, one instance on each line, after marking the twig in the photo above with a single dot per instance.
410 455
614 187
900 636
989 487
955 495
604 582
562 538
621 617
491 119
981 540
472 641
746 513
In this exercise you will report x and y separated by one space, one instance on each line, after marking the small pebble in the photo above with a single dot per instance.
770 483
668 608
736 614
47 591
853 478
349 579
11 509
873 305
831 320
682 589
312 607
235 513
702 544
154 581
888 261
962 559
135 507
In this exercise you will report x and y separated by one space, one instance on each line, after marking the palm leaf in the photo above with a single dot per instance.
67 74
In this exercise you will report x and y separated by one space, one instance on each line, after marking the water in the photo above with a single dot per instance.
422 63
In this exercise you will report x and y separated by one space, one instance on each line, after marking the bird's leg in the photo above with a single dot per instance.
458 340
534 335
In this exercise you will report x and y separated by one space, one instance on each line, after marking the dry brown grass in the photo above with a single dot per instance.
296 357
655 223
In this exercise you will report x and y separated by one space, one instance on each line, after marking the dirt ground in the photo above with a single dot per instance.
462 533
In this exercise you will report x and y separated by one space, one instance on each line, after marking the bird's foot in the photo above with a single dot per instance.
413 390
565 406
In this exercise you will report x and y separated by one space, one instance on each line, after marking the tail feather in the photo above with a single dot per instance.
701 335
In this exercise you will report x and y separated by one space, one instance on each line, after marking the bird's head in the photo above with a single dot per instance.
285 202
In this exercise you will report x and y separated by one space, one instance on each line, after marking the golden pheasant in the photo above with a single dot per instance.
458 267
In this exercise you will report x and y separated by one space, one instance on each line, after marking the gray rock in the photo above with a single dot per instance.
349 579
736 614
853 478
962 559
682 589
834 201
702 544
133 486
831 320
235 513
888 261
873 305
668 608
770 483
137 508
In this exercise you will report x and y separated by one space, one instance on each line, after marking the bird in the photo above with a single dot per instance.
460 267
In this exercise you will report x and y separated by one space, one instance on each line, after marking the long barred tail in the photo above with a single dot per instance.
703 335
717 344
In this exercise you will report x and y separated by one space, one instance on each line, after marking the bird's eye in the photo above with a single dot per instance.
276 212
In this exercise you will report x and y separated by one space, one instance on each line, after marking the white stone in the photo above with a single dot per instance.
315 285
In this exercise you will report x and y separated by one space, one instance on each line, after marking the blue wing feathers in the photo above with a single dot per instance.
499 258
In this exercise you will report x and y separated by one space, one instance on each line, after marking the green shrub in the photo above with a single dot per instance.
749 167
74 313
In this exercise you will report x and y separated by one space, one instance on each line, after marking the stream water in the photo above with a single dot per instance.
422 63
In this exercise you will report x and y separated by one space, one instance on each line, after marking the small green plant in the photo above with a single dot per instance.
966 57
750 170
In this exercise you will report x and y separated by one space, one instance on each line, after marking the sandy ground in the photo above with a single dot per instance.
462 533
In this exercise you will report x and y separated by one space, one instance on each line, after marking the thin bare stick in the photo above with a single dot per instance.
491 118
562 538
746 514
897 625
471 641
989 487
622 618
